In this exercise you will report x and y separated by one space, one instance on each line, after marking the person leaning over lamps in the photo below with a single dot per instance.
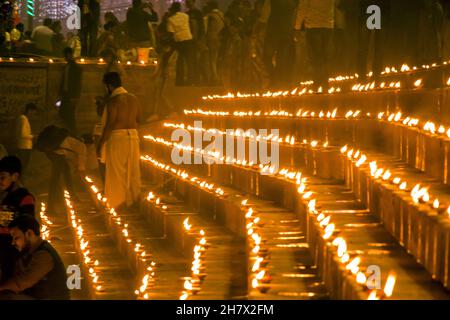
39 272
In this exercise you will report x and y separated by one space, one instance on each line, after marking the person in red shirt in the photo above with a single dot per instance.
17 202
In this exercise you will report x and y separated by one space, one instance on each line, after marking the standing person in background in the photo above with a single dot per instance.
215 25
24 135
446 29
178 26
256 74
137 25
17 36
431 32
110 20
73 41
70 91
90 21
279 48
17 33
302 67
58 41
197 27
318 18
381 52
153 14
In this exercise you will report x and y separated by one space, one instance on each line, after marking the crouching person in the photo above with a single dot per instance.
39 272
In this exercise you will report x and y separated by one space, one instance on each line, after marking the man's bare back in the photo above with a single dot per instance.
124 112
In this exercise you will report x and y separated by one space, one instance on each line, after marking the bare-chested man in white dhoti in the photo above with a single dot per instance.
121 141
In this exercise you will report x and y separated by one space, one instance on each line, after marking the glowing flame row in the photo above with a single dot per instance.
304 87
323 221
287 140
191 285
259 276
426 126
184 175
148 278
90 263
419 194
45 223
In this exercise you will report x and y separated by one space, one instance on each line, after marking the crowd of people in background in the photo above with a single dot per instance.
253 43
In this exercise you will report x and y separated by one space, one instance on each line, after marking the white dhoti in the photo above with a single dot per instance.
123 174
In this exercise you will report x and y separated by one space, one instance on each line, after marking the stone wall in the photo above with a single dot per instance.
39 82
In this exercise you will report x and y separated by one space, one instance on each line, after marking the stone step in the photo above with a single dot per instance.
245 173
222 256
422 229
291 268
115 277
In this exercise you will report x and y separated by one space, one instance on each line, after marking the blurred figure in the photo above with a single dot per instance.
279 47
42 37
24 135
107 39
431 32
70 91
74 42
197 26
317 18
302 67
232 45
111 21
404 28
90 21
17 36
178 26
446 29
58 41
138 25
67 155
3 151
112 63
153 14
215 26
374 44
255 75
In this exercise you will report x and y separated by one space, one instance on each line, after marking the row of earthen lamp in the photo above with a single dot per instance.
92 290
422 150
139 263
422 231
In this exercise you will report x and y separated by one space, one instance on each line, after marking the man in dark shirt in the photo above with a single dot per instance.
197 26
137 22
17 202
90 20
70 91
39 271
278 43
